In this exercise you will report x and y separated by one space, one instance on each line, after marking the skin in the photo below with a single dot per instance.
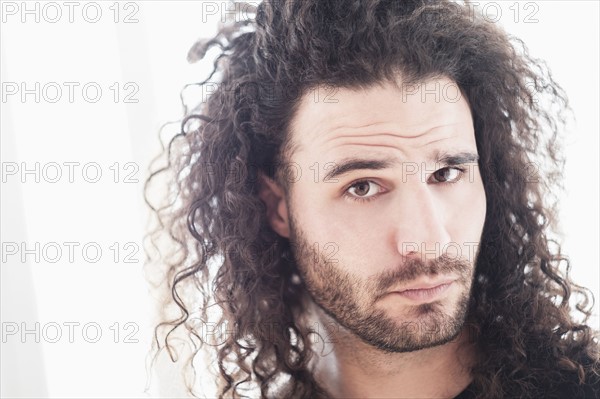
355 256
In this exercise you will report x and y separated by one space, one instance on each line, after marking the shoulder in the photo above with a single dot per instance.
590 388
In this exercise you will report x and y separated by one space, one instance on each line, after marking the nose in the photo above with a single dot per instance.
420 222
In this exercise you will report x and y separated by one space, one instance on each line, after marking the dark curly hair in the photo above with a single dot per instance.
213 248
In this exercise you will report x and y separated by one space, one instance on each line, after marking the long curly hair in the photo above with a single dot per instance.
213 253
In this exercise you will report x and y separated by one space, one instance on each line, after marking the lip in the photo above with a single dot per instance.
424 292
425 284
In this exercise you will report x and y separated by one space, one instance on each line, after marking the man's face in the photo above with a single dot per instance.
402 216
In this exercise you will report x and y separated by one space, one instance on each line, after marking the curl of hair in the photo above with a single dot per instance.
224 251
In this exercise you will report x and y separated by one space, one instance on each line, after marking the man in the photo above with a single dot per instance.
359 201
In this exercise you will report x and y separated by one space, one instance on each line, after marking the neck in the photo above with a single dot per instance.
347 367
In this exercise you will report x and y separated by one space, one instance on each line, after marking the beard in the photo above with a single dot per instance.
351 301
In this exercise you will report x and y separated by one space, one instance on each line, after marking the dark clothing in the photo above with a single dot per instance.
568 390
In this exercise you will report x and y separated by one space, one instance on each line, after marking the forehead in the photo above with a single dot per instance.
386 117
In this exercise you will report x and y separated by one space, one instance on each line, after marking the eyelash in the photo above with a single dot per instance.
367 199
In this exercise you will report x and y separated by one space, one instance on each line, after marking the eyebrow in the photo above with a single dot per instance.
351 164
457 158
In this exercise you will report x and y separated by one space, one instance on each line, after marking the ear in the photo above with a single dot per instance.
273 196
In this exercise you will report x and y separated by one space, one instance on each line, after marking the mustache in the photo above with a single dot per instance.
415 267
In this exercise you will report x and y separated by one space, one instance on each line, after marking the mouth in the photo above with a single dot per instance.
425 290
426 284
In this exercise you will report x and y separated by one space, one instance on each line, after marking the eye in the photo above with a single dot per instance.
447 175
363 190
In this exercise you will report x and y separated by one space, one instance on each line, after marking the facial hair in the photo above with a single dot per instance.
351 301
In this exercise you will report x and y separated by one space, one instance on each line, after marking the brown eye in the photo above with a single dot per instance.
447 175
363 189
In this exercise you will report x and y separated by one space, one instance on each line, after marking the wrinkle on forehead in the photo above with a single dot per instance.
331 135
395 142
380 116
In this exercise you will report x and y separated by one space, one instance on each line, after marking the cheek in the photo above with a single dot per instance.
319 217
479 204
321 226
353 241
465 224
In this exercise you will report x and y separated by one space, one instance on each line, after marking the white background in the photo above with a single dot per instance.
150 55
